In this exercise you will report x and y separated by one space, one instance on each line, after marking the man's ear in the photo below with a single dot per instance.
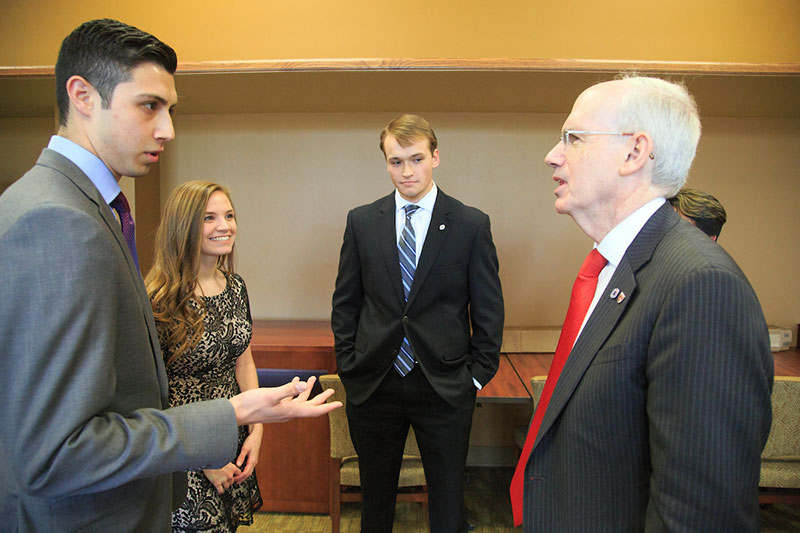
435 158
640 154
83 97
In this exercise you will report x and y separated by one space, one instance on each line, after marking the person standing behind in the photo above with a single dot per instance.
655 417
700 209
418 322
204 326
88 442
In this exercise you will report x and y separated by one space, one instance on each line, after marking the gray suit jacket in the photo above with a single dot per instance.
86 442
660 414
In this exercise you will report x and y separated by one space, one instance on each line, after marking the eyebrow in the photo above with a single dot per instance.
158 98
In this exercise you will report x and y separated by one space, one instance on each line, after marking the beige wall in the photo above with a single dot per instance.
21 142
295 176
201 30
753 167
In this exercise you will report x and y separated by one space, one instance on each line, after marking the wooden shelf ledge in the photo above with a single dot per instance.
458 64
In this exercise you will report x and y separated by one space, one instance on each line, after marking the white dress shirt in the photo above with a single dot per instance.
615 244
420 220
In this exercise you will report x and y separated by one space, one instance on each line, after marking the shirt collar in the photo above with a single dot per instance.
426 203
90 164
616 242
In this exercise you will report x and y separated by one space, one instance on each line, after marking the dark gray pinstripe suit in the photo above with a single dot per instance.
661 412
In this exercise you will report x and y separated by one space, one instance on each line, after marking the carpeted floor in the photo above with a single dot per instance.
488 504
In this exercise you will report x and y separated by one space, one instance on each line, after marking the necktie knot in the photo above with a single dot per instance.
120 204
410 209
592 265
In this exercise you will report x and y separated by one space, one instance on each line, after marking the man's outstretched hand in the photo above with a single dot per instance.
279 404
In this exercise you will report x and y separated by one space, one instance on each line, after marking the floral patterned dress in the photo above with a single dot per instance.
208 373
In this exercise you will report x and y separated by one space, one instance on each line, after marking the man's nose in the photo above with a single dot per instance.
555 157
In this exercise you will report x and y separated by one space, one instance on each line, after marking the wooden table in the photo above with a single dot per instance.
527 365
506 386
787 362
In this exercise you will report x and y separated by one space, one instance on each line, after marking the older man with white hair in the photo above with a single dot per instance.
657 405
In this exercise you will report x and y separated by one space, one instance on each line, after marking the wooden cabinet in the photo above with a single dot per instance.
293 464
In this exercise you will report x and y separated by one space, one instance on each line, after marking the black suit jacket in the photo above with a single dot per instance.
454 314
660 414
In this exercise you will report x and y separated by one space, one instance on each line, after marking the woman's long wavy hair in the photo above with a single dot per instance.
172 280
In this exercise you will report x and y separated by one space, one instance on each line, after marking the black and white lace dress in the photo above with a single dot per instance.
208 373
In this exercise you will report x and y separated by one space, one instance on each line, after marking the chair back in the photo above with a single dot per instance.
537 386
341 445
784 436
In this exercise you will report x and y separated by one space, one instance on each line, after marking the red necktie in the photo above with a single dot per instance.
582 294
123 209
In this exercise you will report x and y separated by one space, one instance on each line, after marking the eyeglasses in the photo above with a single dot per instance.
568 137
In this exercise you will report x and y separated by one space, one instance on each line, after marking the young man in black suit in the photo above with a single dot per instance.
418 321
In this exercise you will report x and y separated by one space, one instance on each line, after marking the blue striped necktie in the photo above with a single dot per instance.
407 249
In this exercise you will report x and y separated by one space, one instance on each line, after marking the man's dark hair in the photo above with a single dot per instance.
705 211
104 52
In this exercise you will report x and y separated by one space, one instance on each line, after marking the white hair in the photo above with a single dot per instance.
669 114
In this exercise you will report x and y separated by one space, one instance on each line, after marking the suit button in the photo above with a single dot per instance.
405 320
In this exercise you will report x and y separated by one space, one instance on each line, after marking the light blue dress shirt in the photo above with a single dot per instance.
90 164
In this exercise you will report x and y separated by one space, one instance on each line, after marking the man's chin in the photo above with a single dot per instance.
561 207
138 173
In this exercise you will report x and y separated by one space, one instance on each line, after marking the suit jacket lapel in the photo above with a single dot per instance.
594 335
440 218
608 312
386 235
52 159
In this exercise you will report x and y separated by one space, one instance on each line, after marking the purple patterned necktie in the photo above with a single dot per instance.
123 209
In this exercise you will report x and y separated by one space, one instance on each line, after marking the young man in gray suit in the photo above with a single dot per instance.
418 322
87 443
662 408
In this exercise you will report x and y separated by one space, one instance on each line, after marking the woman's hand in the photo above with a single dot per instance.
222 478
248 458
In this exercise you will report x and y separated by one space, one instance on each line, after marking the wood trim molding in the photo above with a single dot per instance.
456 64
490 64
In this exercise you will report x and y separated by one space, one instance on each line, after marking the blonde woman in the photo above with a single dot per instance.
204 326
